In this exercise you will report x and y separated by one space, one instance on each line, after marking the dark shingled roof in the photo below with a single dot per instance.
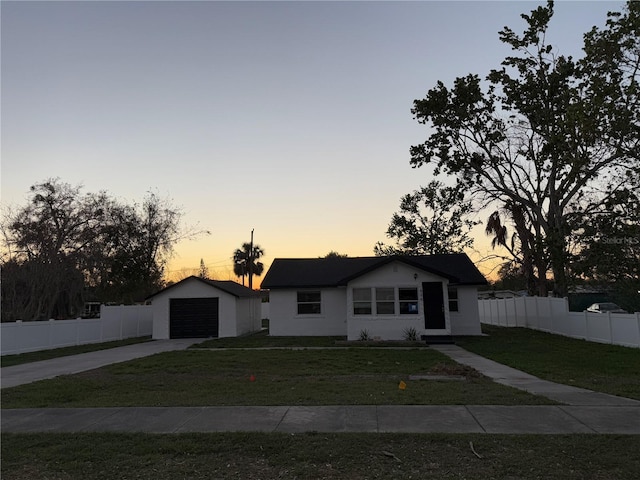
228 286
334 272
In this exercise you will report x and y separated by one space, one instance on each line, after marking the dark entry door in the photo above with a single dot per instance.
433 306
193 317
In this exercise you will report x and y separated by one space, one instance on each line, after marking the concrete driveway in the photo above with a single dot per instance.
32 372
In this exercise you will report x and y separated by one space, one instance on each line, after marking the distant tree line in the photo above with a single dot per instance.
66 247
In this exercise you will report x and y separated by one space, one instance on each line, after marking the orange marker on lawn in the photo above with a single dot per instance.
402 385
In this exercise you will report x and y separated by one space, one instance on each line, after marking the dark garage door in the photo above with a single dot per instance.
193 317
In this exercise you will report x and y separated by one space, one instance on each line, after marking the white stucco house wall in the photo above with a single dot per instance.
201 308
437 295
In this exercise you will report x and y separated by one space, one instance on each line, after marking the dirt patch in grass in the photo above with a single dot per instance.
455 369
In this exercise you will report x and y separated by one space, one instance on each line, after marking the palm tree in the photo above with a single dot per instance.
241 258
526 253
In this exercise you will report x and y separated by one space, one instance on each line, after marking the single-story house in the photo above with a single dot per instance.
437 295
200 308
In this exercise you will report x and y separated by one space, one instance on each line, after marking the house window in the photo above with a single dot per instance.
408 301
362 301
309 303
453 299
385 301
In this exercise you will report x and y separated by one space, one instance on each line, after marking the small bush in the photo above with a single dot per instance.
364 336
410 334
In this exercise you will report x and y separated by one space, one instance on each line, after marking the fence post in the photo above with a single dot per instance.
50 325
610 328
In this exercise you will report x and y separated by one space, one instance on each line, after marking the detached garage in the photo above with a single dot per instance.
201 308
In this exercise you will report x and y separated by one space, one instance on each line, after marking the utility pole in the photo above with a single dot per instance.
251 262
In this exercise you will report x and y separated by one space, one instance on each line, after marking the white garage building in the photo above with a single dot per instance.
199 308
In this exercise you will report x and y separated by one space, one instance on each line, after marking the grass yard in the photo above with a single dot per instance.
319 456
282 377
603 368
10 360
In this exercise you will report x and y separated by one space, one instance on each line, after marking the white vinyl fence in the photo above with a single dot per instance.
115 323
552 315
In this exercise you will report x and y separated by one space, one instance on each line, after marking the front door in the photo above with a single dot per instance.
433 299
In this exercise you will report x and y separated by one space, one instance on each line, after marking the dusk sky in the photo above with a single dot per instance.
292 118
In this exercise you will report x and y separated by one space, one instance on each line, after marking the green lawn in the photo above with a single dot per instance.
282 377
604 368
10 360
318 456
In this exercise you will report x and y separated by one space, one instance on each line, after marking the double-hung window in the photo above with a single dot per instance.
362 301
385 301
408 301
453 299
309 303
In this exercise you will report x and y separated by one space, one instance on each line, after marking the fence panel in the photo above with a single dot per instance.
625 329
115 323
552 315
575 325
598 327
62 333
521 311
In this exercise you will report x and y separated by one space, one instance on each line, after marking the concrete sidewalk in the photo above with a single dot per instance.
361 418
32 372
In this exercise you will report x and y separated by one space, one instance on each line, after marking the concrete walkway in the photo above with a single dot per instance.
585 411
32 372
515 378
354 418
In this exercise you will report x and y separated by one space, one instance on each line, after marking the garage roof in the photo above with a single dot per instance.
338 271
227 286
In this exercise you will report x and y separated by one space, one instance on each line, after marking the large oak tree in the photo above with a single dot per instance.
552 137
